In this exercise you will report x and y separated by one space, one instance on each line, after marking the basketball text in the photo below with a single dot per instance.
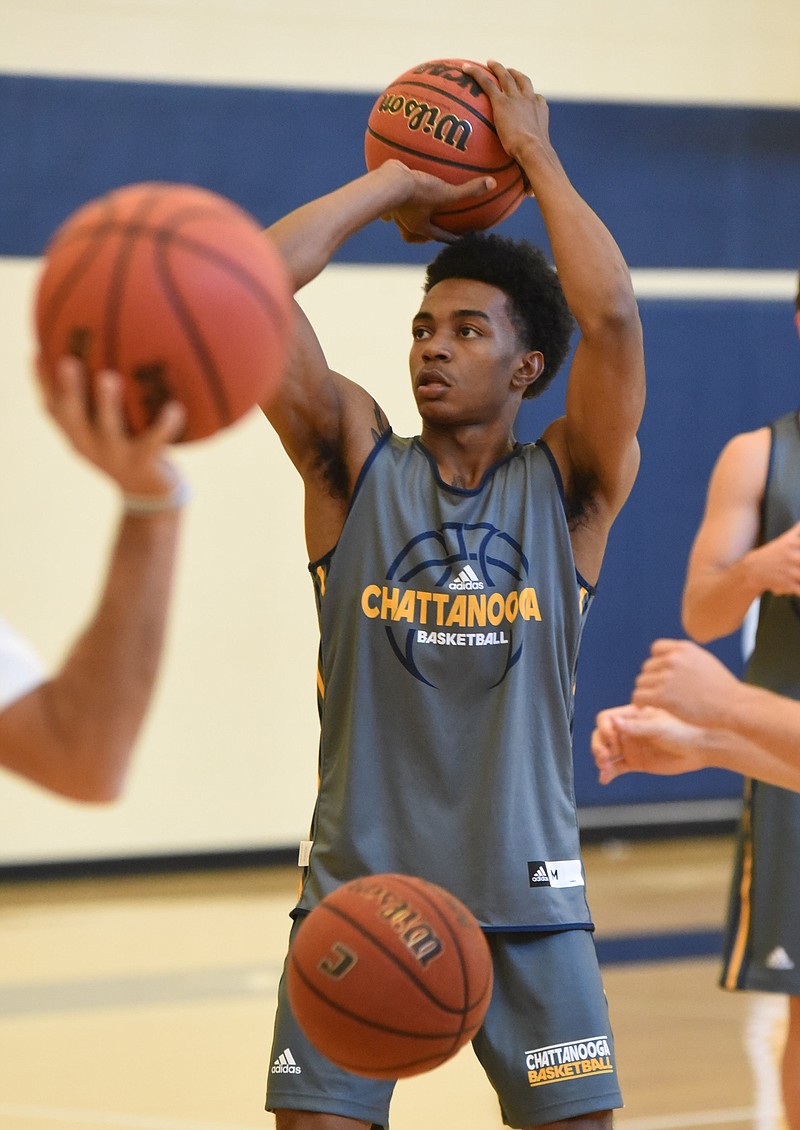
447 128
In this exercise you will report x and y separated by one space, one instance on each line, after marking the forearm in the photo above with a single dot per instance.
308 237
768 720
75 733
716 600
593 274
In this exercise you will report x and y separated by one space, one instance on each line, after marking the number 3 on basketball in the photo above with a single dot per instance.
338 962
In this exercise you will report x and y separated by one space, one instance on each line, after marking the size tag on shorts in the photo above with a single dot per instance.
304 854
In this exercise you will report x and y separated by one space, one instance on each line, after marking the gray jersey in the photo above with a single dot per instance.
762 950
450 624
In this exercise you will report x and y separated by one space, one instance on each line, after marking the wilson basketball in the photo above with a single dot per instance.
436 118
176 288
389 976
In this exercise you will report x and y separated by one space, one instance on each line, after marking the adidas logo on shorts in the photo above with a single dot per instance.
286 1064
779 959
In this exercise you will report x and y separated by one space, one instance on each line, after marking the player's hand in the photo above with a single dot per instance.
427 195
521 116
688 681
777 563
630 739
96 428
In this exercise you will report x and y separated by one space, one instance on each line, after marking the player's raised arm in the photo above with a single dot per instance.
327 424
595 444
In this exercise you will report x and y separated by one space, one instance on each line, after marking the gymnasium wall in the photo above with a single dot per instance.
679 122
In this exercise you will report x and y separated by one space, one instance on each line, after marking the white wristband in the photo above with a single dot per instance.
157 503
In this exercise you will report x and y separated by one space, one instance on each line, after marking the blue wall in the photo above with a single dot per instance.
679 186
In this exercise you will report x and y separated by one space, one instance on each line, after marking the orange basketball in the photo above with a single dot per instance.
176 288
436 118
389 976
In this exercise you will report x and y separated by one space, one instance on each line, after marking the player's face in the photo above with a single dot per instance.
464 353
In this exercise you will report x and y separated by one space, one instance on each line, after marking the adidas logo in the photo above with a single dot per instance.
779 959
537 874
467 579
286 1064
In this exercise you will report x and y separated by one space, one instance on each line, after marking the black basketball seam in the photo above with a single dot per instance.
65 287
367 1021
338 912
392 144
468 1005
114 294
482 202
439 90
420 890
191 328
184 242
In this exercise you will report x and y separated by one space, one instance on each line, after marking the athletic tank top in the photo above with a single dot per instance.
764 908
450 622
775 661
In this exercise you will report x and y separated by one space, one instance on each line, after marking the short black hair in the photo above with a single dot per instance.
538 308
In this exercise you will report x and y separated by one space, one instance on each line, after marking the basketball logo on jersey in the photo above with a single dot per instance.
463 586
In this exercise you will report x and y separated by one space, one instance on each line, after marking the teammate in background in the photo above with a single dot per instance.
74 733
747 549
453 574
688 712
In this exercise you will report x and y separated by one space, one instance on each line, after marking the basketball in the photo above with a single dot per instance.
436 119
177 289
389 976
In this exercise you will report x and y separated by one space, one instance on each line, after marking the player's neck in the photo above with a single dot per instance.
463 455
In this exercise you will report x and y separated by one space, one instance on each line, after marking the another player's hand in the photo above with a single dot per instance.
427 195
777 563
96 428
685 679
629 739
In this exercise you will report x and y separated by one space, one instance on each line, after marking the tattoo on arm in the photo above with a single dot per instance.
381 424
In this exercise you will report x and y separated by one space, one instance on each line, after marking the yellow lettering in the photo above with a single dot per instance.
405 609
476 611
389 603
529 605
495 608
512 606
440 599
458 612
424 599
370 592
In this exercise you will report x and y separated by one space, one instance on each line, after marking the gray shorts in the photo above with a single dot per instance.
545 1045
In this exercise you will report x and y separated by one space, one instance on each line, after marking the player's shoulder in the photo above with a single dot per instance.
742 466
747 446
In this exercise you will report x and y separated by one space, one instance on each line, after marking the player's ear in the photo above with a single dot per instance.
529 369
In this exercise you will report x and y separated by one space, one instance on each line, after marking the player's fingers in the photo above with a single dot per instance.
68 396
168 426
109 412
522 81
662 647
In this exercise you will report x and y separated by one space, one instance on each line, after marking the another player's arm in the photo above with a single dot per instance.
628 739
727 571
75 733
327 423
595 443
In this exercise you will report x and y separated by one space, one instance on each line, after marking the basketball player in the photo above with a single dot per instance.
689 712
74 733
748 548
453 574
